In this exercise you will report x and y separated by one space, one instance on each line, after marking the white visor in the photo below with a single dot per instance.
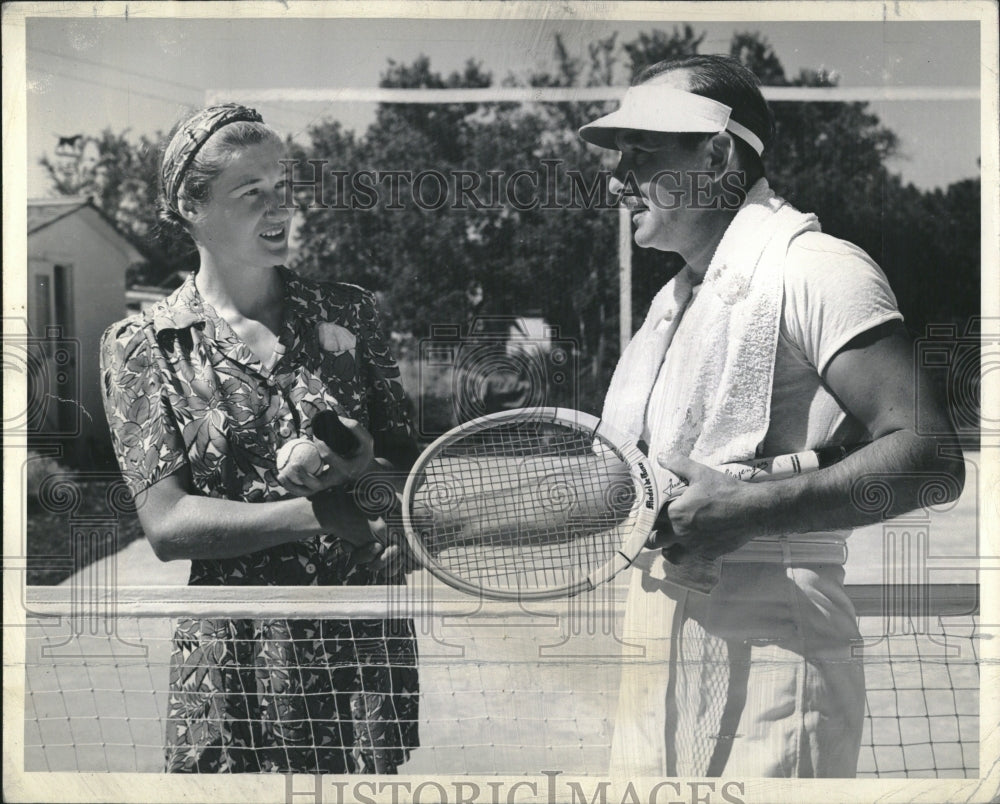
657 107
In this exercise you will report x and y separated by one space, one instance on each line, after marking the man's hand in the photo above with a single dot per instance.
711 517
386 554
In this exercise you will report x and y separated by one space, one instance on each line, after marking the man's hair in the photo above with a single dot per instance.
724 79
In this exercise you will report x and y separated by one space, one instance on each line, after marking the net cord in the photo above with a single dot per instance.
415 599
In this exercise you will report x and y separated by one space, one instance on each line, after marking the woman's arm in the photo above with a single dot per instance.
181 525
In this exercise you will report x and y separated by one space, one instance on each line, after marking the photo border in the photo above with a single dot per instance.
21 786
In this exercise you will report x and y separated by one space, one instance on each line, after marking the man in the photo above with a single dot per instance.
774 338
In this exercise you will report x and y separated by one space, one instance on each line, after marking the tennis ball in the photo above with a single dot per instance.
301 452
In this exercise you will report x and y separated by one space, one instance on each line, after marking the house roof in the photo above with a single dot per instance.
43 212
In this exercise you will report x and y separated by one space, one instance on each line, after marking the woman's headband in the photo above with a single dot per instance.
189 138
658 107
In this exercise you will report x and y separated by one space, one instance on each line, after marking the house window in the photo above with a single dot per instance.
53 301
62 296
43 302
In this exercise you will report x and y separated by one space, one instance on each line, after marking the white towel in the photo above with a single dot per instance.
725 408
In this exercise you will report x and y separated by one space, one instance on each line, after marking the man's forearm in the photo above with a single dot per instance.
893 475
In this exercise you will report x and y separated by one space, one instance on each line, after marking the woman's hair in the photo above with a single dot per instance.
190 179
726 80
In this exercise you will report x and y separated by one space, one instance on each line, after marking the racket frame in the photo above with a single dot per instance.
643 514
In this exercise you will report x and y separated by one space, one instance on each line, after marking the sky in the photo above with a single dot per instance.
140 74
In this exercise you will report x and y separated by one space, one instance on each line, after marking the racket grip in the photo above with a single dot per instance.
329 429
782 466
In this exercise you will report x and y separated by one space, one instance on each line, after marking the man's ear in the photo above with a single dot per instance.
721 153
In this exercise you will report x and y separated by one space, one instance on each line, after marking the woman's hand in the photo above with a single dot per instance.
374 543
310 476
386 554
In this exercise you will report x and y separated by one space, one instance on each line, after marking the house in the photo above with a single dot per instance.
77 261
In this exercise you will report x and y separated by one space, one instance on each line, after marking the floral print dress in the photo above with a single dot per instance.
184 394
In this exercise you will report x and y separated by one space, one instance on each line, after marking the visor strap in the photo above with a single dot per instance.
746 135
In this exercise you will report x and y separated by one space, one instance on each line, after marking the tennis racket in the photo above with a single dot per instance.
540 503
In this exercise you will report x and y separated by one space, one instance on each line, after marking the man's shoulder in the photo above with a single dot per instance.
819 260
823 272
812 248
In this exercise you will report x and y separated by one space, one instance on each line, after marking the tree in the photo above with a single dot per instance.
121 179
829 158
754 51
930 251
554 258
419 258
647 49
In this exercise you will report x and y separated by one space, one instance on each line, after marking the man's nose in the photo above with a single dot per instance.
617 182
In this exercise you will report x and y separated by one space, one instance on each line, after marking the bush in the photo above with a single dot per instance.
37 468
53 553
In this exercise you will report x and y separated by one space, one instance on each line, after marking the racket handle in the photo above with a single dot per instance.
700 574
783 466
329 429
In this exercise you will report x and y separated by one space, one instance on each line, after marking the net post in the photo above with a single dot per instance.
624 277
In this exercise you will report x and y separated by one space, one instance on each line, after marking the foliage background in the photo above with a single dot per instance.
828 158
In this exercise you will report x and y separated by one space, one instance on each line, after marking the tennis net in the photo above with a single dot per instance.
504 688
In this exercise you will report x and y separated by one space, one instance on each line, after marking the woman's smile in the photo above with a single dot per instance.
276 234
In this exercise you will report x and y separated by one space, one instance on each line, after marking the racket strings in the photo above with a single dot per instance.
524 506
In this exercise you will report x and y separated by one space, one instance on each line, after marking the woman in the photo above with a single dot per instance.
200 393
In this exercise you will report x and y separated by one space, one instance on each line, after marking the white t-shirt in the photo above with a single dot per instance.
833 292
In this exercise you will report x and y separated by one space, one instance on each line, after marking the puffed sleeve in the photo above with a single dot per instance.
388 408
143 431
